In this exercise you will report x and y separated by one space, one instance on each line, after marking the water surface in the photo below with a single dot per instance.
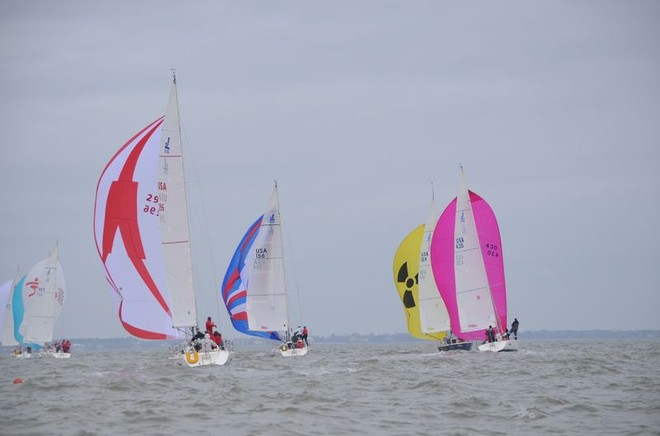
549 387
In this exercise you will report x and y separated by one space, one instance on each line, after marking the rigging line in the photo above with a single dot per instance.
204 224
293 268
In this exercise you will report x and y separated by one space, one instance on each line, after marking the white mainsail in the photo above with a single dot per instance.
43 293
173 215
266 298
473 296
433 313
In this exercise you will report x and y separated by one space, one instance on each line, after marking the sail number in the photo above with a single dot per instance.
492 250
424 257
149 208
460 242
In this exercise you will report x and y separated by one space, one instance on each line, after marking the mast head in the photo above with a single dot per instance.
173 75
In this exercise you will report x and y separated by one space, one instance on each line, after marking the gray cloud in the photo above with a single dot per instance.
354 107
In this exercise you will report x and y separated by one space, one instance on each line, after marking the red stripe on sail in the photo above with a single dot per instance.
121 215
235 275
240 316
141 333
236 297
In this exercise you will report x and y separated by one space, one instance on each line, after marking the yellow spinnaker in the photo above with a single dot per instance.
406 269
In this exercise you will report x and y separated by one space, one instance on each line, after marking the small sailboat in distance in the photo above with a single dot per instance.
469 270
11 315
142 237
254 287
37 302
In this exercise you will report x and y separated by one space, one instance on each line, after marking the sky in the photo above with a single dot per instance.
355 107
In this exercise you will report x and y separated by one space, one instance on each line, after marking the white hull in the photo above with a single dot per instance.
497 346
62 355
22 355
55 354
205 358
290 352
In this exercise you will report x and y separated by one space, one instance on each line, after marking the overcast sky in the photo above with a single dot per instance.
553 108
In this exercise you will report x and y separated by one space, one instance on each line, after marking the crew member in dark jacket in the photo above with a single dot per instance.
514 328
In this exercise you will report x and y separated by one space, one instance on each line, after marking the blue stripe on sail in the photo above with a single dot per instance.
18 309
235 304
232 281
231 285
242 326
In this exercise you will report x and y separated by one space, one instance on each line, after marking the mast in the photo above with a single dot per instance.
279 221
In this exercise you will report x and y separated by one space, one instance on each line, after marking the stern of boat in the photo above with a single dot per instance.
287 351
497 346
194 358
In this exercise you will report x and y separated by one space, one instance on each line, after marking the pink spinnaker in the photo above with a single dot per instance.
470 303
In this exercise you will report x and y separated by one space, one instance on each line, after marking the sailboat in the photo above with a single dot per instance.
142 237
254 287
33 304
11 316
426 314
468 265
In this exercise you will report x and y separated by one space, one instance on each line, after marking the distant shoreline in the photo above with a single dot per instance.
129 342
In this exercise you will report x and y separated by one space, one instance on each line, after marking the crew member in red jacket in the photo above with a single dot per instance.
209 325
304 335
217 338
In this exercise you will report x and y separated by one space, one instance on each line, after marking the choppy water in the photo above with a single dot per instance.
598 388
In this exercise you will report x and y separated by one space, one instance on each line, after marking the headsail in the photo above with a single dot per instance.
467 262
406 278
254 288
141 231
